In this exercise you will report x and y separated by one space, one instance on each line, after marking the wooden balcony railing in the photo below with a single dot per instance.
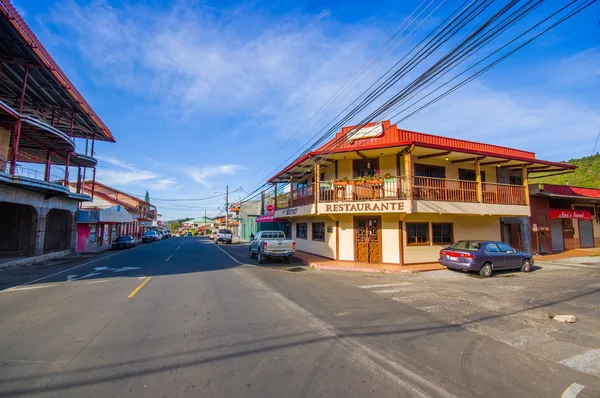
427 188
353 191
504 194
423 188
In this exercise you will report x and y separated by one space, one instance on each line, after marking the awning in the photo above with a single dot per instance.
269 219
572 214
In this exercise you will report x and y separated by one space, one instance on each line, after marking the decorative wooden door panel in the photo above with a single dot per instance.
368 239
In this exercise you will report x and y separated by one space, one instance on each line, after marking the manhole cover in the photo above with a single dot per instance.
296 269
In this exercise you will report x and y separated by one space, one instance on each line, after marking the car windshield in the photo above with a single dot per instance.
149 233
469 245
123 239
224 231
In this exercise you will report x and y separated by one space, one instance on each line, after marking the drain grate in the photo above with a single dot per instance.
296 269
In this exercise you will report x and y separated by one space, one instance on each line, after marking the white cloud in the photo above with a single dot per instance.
127 174
201 175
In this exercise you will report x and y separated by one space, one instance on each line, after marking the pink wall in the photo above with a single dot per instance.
83 236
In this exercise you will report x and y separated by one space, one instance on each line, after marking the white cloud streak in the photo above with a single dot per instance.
202 175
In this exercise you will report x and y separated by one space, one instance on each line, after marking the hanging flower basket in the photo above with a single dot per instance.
374 182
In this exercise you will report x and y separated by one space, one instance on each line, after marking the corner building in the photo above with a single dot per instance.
380 194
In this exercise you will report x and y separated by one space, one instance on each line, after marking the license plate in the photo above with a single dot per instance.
452 258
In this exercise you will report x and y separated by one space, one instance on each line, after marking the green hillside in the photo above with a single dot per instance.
587 174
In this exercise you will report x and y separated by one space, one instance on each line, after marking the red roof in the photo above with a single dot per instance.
23 29
392 136
566 190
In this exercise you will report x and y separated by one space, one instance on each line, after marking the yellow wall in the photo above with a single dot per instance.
390 238
452 168
387 164
346 237
326 248
345 168
464 227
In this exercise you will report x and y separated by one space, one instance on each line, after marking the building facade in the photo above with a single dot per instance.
98 228
47 137
564 217
379 194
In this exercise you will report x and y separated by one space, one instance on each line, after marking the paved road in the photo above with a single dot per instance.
183 317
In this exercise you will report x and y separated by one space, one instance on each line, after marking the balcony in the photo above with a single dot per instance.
395 194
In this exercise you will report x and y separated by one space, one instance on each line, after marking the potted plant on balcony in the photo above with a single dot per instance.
387 177
375 179
359 180
341 182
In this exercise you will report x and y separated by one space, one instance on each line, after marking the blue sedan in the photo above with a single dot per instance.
484 257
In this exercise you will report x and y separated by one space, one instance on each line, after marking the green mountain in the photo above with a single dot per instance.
587 174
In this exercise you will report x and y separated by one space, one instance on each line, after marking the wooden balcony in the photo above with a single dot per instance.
398 188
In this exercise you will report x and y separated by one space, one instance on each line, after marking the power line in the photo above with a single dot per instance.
594 148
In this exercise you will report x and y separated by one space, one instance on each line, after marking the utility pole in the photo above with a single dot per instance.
226 206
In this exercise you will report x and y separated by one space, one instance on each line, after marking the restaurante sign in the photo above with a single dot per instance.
373 207
573 214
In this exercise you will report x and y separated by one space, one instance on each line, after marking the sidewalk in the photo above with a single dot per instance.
592 251
322 263
101 249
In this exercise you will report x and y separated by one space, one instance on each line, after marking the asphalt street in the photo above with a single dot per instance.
185 317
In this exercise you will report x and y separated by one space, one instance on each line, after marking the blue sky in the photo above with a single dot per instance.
200 94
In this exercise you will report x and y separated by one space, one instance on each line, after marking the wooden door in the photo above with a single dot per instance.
367 237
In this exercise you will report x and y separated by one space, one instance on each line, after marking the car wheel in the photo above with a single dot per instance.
288 259
261 259
252 254
526 267
486 270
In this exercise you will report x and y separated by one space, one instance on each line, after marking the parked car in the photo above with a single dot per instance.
150 236
224 235
123 242
168 232
484 257
272 244
213 235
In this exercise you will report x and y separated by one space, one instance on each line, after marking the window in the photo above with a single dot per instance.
301 230
318 231
362 168
504 248
441 233
417 234
515 180
472 245
492 248
113 234
469 175
425 170
93 233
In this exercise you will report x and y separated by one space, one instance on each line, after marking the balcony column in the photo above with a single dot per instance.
79 180
17 132
93 182
317 188
48 165
67 169
478 181
525 184
275 196
408 173
291 192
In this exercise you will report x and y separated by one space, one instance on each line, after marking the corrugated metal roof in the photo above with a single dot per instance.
566 190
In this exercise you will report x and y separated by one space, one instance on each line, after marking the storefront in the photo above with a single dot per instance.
564 217
99 228
392 196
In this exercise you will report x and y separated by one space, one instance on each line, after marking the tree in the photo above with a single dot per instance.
147 197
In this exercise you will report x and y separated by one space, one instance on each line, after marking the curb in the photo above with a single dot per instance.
322 267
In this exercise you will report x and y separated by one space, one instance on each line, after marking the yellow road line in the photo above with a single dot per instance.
137 289
168 258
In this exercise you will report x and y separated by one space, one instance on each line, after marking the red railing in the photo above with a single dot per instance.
298 197
503 194
353 191
427 188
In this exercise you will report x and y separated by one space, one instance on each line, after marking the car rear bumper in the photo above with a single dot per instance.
270 253
470 266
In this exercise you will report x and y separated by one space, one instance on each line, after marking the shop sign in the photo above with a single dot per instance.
366 132
368 207
270 207
572 214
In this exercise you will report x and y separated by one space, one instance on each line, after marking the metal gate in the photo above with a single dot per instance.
558 242
586 233
368 239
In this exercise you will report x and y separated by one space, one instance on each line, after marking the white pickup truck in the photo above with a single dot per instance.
223 235
272 244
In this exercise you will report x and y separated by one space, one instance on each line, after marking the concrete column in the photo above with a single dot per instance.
40 231
73 246
525 184
478 180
